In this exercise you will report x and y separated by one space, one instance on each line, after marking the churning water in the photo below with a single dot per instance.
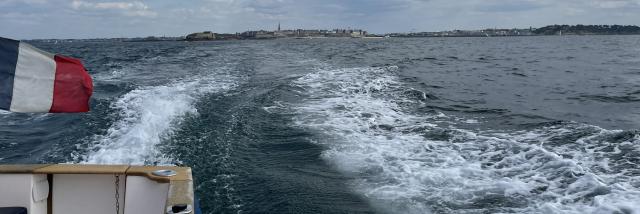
434 125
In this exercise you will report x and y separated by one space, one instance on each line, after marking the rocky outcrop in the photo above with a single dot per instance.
204 36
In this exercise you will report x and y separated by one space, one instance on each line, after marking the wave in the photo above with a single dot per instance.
148 115
630 98
406 162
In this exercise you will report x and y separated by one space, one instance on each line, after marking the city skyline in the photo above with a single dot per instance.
32 19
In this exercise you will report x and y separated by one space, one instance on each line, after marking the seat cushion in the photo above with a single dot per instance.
13 210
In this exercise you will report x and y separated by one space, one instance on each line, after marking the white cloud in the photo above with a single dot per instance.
28 2
134 8
613 4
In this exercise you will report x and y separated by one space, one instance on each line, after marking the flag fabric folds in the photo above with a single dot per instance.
32 80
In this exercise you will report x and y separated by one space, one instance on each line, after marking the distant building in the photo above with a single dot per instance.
261 34
207 35
358 33
227 36
298 33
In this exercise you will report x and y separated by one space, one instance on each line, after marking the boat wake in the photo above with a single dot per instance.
148 115
409 162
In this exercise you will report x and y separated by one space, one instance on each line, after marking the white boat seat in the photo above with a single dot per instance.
13 210
29 191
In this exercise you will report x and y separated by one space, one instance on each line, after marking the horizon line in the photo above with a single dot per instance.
250 30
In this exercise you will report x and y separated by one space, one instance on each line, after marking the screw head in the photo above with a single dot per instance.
164 173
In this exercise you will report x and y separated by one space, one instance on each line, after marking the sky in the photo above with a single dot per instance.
73 19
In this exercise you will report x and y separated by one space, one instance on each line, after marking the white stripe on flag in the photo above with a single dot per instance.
33 81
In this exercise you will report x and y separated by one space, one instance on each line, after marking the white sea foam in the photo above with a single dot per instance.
147 116
369 135
471 121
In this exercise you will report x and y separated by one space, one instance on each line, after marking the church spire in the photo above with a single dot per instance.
278 26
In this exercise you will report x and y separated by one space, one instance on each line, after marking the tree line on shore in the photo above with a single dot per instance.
588 29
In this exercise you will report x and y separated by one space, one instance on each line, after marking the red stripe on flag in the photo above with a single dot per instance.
72 88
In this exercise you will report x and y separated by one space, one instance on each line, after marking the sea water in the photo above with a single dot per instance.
424 125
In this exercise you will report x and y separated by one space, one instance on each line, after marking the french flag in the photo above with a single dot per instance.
32 80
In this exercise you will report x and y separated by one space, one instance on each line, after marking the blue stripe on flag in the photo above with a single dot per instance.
8 59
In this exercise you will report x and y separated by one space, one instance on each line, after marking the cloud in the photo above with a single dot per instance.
511 6
614 4
9 2
135 8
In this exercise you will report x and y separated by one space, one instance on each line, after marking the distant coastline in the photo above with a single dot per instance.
543 31
560 30
588 30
